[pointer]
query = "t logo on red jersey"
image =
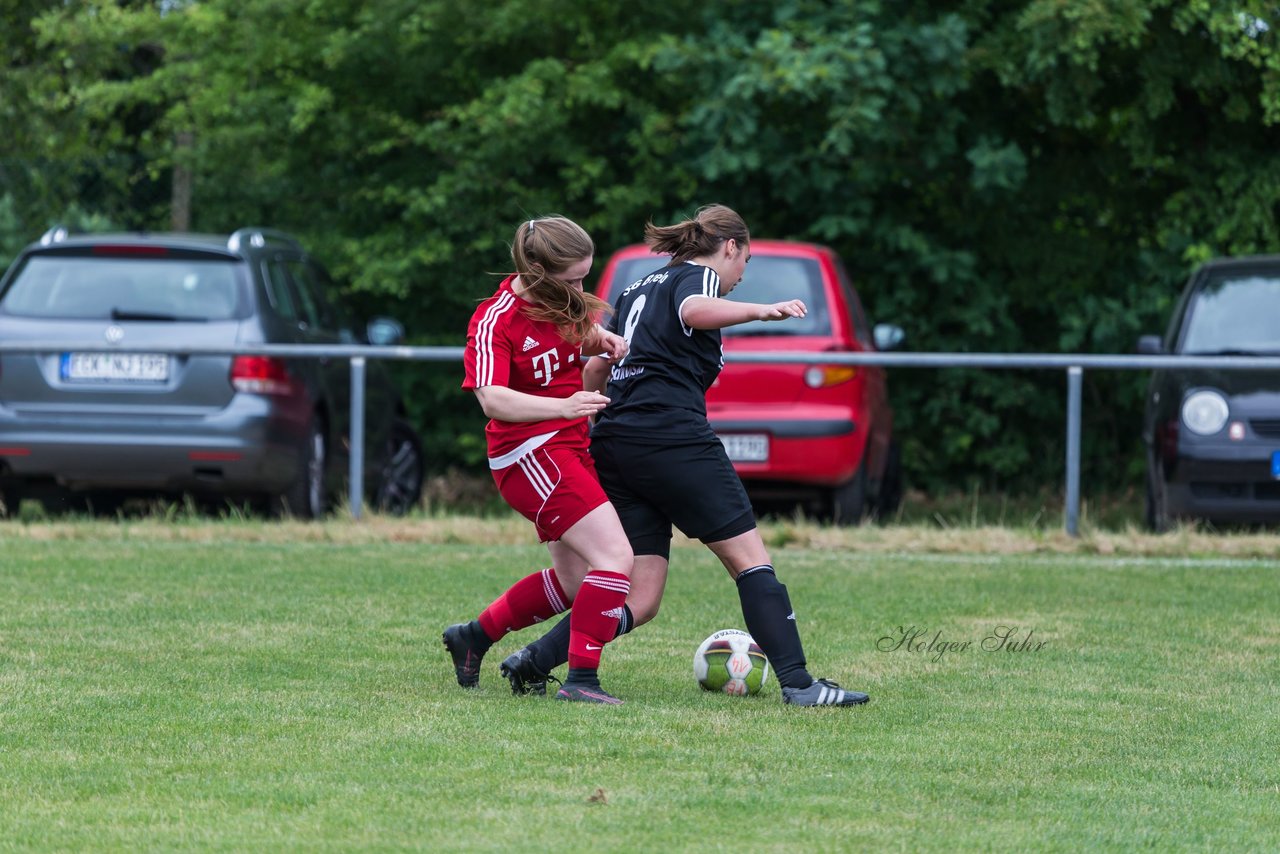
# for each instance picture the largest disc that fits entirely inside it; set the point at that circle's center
(545, 365)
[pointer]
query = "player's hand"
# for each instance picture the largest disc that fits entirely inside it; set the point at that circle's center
(783, 310)
(583, 404)
(613, 347)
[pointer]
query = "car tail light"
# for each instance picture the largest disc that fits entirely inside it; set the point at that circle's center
(261, 375)
(215, 456)
(126, 249)
(823, 376)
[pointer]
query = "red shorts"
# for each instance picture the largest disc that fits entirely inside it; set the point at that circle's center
(552, 487)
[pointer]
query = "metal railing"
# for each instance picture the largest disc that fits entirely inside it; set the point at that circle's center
(1074, 364)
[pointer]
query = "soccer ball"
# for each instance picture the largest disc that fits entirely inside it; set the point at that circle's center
(731, 662)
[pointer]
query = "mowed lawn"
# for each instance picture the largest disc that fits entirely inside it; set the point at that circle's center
(254, 695)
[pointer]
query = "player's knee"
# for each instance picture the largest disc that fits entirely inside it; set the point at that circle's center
(619, 559)
(643, 610)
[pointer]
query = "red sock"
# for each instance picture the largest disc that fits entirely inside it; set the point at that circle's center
(530, 600)
(593, 622)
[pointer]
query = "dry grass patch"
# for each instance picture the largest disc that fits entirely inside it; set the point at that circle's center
(508, 529)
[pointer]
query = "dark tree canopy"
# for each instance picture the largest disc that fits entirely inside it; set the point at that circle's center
(999, 176)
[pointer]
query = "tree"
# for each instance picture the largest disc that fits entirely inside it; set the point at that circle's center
(999, 175)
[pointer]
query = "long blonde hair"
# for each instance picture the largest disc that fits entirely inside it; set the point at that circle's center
(542, 250)
(701, 235)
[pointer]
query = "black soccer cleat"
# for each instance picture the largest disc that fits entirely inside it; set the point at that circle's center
(823, 692)
(524, 674)
(467, 652)
(579, 693)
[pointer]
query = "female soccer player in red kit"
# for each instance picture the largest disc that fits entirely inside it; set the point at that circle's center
(662, 464)
(525, 350)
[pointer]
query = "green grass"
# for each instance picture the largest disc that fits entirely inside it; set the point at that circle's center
(244, 694)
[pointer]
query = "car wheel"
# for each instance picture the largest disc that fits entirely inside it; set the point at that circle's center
(400, 482)
(11, 496)
(1157, 501)
(849, 500)
(889, 499)
(305, 497)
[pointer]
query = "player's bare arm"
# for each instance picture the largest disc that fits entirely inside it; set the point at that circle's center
(716, 313)
(507, 404)
(596, 375)
(602, 342)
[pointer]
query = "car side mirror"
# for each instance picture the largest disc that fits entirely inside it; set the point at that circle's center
(1150, 345)
(888, 336)
(384, 332)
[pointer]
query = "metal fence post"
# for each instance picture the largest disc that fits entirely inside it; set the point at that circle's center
(357, 435)
(1075, 378)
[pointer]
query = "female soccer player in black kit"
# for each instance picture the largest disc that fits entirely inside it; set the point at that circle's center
(659, 460)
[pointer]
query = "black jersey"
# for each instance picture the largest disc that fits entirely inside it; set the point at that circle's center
(660, 388)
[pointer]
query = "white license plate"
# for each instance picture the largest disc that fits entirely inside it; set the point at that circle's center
(746, 447)
(115, 367)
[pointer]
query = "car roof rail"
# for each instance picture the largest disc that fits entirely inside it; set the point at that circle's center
(260, 238)
(56, 234)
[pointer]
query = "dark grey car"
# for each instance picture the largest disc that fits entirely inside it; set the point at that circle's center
(121, 415)
(1213, 436)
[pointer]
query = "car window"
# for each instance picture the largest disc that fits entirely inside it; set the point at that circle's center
(857, 317)
(631, 270)
(96, 288)
(1234, 314)
(768, 279)
(278, 291)
(307, 290)
(861, 330)
(337, 318)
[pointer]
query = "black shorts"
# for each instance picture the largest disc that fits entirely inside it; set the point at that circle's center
(687, 482)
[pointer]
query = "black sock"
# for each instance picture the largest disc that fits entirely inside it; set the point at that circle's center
(552, 649)
(588, 676)
(477, 638)
(626, 622)
(766, 607)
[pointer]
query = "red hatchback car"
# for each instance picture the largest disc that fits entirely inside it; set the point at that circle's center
(818, 433)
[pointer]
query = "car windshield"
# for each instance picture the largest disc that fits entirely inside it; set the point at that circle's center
(769, 279)
(1234, 315)
(97, 288)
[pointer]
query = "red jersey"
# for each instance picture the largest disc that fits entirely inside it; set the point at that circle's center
(507, 347)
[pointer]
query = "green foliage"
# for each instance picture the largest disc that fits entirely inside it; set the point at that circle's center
(1027, 176)
(13, 235)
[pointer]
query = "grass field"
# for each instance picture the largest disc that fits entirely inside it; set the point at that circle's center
(236, 686)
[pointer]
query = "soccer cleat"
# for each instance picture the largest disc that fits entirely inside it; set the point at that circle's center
(586, 694)
(524, 674)
(823, 692)
(467, 654)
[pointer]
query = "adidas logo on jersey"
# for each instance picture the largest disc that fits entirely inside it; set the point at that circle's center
(529, 344)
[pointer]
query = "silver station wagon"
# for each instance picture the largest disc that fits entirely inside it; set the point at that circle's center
(116, 414)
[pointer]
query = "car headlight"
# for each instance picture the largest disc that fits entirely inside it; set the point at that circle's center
(1204, 412)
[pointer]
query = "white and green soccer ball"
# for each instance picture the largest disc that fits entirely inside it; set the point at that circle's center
(730, 661)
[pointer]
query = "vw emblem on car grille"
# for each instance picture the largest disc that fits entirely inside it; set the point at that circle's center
(114, 334)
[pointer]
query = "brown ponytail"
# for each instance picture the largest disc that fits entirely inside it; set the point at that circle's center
(699, 236)
(542, 250)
